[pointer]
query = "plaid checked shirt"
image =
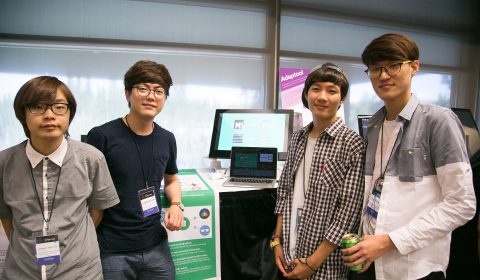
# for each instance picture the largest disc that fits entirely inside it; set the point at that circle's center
(334, 198)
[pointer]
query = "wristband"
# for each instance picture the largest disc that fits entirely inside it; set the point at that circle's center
(305, 262)
(274, 242)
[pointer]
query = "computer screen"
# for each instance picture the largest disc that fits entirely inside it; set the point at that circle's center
(466, 117)
(267, 128)
(470, 129)
(363, 124)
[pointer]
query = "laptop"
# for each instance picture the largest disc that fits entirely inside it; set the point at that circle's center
(252, 167)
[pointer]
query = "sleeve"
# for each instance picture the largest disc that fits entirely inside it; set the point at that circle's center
(103, 194)
(349, 207)
(171, 167)
(5, 210)
(96, 139)
(286, 178)
(454, 174)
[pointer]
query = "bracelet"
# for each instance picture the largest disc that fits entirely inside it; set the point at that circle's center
(306, 263)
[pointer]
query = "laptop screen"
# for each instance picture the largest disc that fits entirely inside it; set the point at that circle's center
(253, 162)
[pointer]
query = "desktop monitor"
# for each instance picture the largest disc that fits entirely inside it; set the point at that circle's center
(470, 129)
(363, 125)
(267, 128)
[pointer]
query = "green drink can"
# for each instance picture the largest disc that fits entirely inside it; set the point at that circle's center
(349, 240)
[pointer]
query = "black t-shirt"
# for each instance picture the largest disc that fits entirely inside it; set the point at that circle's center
(123, 227)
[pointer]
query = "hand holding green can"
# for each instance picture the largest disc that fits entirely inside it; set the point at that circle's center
(349, 240)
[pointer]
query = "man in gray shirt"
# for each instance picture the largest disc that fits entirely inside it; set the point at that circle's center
(52, 190)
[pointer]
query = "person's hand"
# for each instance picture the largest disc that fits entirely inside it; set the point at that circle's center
(300, 269)
(174, 218)
(280, 259)
(367, 251)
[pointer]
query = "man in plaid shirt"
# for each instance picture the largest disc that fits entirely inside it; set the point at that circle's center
(321, 187)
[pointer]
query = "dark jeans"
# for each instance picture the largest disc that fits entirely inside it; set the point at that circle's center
(156, 263)
(370, 275)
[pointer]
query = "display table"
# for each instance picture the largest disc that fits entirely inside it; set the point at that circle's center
(245, 224)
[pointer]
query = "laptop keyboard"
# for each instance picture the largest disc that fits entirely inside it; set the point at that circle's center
(251, 180)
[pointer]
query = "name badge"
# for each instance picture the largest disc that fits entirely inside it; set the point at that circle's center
(47, 249)
(148, 202)
(373, 203)
(298, 219)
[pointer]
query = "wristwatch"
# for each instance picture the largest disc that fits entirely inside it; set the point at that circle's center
(179, 204)
(274, 242)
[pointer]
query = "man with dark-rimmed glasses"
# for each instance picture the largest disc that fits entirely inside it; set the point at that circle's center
(418, 180)
(140, 153)
(53, 190)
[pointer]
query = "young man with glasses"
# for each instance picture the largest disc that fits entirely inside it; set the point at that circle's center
(52, 190)
(418, 180)
(140, 154)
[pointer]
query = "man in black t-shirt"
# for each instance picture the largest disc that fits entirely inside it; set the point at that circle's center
(133, 242)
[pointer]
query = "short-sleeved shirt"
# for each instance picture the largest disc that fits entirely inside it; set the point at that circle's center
(84, 183)
(427, 190)
(124, 229)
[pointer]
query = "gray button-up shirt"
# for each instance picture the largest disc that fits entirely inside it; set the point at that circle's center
(84, 184)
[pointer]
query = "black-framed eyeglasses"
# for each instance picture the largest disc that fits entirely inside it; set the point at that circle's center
(57, 108)
(391, 69)
(145, 91)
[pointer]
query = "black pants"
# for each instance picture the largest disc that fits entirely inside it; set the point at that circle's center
(370, 275)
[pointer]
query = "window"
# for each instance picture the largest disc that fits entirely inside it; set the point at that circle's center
(202, 82)
(431, 87)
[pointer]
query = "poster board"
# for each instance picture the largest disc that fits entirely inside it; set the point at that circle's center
(194, 246)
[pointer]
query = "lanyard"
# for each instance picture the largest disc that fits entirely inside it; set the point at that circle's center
(47, 220)
(382, 172)
(138, 151)
(305, 180)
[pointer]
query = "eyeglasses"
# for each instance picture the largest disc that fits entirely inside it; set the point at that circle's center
(144, 91)
(57, 108)
(391, 69)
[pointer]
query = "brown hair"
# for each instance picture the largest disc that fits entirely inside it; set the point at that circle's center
(390, 47)
(327, 72)
(42, 89)
(147, 71)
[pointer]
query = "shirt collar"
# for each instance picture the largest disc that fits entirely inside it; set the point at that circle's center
(56, 157)
(409, 109)
(406, 113)
(332, 130)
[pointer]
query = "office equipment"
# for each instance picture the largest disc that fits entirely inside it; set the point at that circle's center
(466, 117)
(362, 121)
(252, 167)
(250, 128)
(470, 129)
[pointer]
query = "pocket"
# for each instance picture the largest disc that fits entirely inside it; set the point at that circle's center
(332, 174)
(410, 167)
